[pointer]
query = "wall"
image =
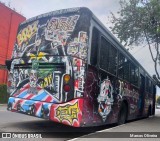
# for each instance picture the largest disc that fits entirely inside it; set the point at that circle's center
(8, 30)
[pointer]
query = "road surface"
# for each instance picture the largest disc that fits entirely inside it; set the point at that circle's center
(15, 122)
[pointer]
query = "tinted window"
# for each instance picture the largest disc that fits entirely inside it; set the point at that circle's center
(126, 69)
(136, 76)
(134, 73)
(150, 86)
(147, 84)
(112, 66)
(94, 46)
(123, 67)
(108, 57)
(104, 54)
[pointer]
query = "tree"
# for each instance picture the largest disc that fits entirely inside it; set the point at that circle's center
(138, 22)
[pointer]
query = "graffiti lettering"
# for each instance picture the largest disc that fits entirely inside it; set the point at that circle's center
(131, 93)
(47, 81)
(63, 23)
(68, 112)
(27, 33)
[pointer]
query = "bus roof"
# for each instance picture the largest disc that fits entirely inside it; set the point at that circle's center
(56, 13)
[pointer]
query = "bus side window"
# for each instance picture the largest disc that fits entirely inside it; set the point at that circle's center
(104, 54)
(94, 47)
(137, 76)
(126, 69)
(150, 87)
(108, 56)
(113, 58)
(121, 66)
(134, 74)
(147, 84)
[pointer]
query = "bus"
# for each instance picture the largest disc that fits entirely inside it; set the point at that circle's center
(67, 67)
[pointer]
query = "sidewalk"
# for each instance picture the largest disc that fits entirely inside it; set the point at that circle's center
(141, 130)
(3, 104)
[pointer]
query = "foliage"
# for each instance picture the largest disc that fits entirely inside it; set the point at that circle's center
(3, 93)
(158, 100)
(138, 22)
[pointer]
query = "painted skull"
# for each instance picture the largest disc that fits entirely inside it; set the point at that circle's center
(33, 78)
(105, 99)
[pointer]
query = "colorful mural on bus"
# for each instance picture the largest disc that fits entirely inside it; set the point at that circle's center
(50, 76)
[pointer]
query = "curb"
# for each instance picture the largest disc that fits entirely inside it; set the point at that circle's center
(3, 104)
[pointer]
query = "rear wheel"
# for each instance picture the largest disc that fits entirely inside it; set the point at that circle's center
(18, 107)
(149, 112)
(122, 114)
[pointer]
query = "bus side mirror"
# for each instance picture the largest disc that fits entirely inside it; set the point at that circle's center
(8, 64)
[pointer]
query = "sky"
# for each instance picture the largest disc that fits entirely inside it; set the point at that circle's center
(30, 8)
(101, 8)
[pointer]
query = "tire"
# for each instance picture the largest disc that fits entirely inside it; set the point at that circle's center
(9, 107)
(122, 114)
(33, 110)
(149, 112)
(18, 107)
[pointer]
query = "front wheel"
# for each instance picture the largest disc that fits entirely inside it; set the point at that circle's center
(122, 114)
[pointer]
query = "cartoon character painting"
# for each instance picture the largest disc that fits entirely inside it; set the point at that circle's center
(105, 99)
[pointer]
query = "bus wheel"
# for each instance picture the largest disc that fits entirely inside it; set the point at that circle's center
(9, 107)
(122, 114)
(149, 111)
(18, 107)
(33, 110)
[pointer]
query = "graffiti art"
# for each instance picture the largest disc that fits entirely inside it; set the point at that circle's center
(68, 113)
(105, 99)
(52, 76)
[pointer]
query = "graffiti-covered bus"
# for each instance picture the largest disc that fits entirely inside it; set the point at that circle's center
(68, 68)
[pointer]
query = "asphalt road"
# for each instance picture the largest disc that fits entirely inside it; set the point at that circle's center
(15, 122)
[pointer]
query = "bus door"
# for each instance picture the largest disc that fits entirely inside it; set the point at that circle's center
(142, 95)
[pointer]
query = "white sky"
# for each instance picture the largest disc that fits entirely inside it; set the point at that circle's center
(101, 8)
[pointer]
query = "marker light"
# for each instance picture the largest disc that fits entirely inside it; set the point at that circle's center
(67, 88)
(67, 78)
